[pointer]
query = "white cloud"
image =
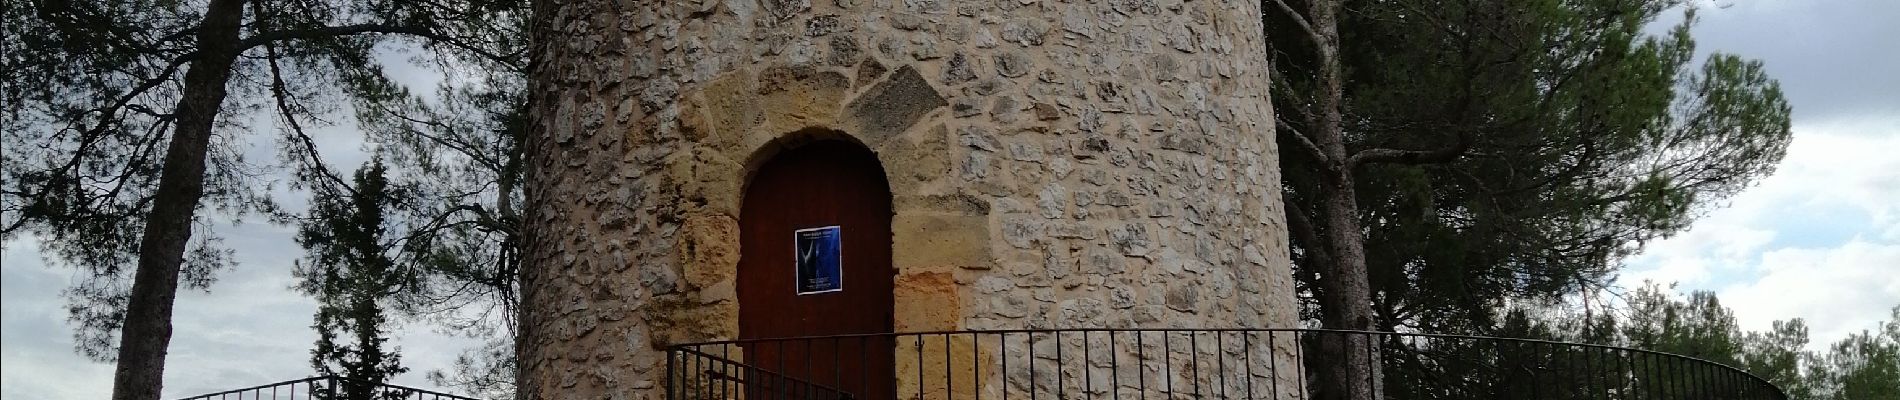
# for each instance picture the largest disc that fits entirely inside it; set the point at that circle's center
(1838, 290)
(1818, 240)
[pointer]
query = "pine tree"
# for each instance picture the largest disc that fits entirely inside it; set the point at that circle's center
(352, 276)
(122, 146)
(1444, 156)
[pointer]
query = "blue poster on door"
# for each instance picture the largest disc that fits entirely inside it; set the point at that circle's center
(820, 260)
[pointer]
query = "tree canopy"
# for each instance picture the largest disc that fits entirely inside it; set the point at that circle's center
(1863, 365)
(132, 117)
(1442, 157)
(352, 276)
(1542, 142)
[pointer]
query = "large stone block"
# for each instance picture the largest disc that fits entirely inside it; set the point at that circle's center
(709, 250)
(798, 97)
(927, 301)
(927, 241)
(891, 106)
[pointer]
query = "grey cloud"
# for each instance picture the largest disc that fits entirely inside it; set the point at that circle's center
(1835, 58)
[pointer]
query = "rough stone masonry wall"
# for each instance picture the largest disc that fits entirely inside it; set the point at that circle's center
(1055, 164)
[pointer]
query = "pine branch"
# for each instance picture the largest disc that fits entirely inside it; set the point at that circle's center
(1450, 152)
(1306, 143)
(1299, 21)
(361, 29)
(281, 95)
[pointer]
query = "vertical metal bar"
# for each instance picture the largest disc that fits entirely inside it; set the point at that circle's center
(1675, 378)
(706, 362)
(1646, 374)
(1590, 371)
(1061, 386)
(1371, 386)
(1695, 379)
(1299, 366)
(1032, 365)
(1723, 384)
(1141, 365)
(1002, 355)
(1088, 381)
(1273, 365)
(919, 345)
(1114, 368)
(1570, 368)
(949, 387)
(1503, 366)
(1194, 347)
(1626, 382)
(1246, 356)
(1220, 361)
(1695, 376)
(732, 371)
(976, 365)
(1167, 361)
(1713, 378)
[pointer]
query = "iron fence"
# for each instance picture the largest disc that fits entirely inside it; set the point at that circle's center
(1190, 364)
(328, 388)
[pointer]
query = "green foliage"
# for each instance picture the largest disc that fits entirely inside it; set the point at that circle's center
(350, 273)
(1580, 138)
(92, 94)
(1864, 365)
(84, 114)
(90, 101)
(455, 153)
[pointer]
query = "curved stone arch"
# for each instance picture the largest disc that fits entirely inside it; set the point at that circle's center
(766, 151)
(739, 121)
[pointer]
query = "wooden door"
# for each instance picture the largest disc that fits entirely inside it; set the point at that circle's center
(828, 183)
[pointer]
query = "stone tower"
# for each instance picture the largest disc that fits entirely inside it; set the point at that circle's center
(1050, 164)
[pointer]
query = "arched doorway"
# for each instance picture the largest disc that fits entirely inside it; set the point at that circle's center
(815, 260)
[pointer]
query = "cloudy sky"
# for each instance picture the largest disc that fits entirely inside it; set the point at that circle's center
(1819, 240)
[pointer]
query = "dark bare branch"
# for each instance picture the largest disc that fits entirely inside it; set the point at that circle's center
(1450, 152)
(365, 29)
(1299, 21)
(312, 159)
(1306, 143)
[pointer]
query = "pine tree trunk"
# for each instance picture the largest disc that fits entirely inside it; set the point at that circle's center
(1349, 363)
(148, 329)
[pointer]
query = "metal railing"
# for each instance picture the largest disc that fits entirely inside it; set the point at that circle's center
(328, 388)
(1188, 364)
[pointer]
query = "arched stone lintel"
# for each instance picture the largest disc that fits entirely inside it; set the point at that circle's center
(742, 119)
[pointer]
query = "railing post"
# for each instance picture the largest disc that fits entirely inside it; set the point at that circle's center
(672, 377)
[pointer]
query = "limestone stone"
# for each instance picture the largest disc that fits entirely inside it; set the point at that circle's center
(940, 240)
(709, 249)
(958, 204)
(926, 301)
(891, 106)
